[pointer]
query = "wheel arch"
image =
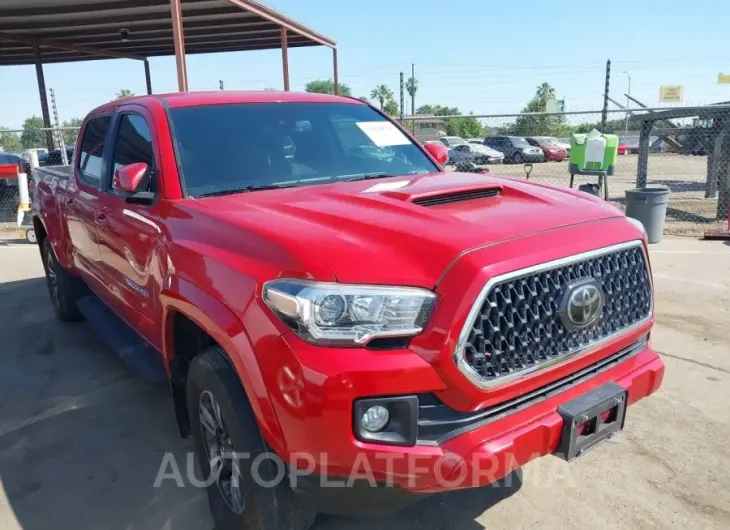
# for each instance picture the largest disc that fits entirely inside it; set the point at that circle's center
(191, 310)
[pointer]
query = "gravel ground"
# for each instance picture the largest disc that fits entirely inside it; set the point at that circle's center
(82, 438)
(688, 214)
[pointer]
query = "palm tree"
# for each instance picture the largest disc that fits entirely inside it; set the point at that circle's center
(124, 93)
(412, 88)
(544, 92)
(382, 93)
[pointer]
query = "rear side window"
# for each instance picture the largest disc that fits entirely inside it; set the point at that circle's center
(134, 144)
(92, 150)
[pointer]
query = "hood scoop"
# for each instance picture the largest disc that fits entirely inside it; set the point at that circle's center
(430, 201)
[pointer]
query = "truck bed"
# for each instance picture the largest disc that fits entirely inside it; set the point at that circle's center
(62, 172)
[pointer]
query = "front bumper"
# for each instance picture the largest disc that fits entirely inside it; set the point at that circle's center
(540, 157)
(317, 387)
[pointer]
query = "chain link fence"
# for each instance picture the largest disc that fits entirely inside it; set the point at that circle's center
(686, 149)
(47, 145)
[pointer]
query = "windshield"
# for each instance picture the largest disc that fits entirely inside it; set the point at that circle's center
(242, 147)
(547, 142)
(518, 141)
(454, 140)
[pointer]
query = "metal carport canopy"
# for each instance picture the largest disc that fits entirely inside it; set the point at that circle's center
(54, 31)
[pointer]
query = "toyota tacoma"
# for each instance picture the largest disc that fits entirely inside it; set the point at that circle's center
(330, 307)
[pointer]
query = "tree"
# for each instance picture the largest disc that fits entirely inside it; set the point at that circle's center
(31, 136)
(467, 127)
(412, 88)
(124, 93)
(327, 86)
(539, 125)
(382, 94)
(69, 136)
(391, 108)
(10, 141)
(437, 110)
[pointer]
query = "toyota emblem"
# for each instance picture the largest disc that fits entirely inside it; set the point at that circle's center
(582, 304)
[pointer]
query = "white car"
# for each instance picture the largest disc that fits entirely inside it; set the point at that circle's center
(476, 153)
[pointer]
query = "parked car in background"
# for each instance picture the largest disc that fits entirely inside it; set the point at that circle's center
(451, 141)
(515, 149)
(39, 150)
(54, 158)
(478, 154)
(549, 146)
(10, 159)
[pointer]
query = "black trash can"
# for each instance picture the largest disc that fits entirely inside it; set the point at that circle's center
(649, 205)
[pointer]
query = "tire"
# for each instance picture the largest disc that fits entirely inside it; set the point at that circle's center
(60, 286)
(517, 158)
(212, 381)
(30, 236)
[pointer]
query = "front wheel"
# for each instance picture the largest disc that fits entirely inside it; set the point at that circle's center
(60, 286)
(517, 158)
(248, 487)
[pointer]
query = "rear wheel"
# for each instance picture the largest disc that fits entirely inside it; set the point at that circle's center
(244, 493)
(60, 286)
(517, 158)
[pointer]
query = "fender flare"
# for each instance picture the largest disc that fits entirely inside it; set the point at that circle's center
(228, 332)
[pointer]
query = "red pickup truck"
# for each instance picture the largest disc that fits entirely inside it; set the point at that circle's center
(344, 325)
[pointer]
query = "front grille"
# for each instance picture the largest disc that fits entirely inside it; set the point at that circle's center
(516, 325)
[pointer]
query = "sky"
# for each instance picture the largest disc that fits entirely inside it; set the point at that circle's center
(480, 56)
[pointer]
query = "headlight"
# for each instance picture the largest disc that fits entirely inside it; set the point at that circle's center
(333, 313)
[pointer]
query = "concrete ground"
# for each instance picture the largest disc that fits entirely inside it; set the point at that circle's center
(82, 438)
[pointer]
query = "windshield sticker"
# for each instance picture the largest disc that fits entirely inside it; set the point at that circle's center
(388, 186)
(383, 133)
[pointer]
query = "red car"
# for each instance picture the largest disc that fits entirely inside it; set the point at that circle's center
(551, 149)
(625, 149)
(343, 328)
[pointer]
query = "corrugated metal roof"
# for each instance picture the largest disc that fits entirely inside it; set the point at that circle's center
(96, 26)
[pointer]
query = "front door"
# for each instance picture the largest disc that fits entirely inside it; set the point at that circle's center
(129, 234)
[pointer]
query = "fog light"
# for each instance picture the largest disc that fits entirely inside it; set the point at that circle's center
(375, 418)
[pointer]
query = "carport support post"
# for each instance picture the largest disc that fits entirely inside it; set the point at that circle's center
(334, 63)
(285, 58)
(147, 78)
(179, 40)
(643, 163)
(42, 93)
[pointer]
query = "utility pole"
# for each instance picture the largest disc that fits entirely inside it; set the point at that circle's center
(604, 114)
(402, 99)
(220, 84)
(628, 95)
(413, 96)
(59, 132)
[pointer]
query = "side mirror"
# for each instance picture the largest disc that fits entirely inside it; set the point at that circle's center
(439, 152)
(127, 178)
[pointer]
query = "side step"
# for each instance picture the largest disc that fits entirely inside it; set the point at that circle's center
(127, 344)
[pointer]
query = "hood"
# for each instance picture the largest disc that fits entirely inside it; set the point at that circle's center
(402, 230)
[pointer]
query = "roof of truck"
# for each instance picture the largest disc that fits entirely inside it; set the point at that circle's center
(226, 97)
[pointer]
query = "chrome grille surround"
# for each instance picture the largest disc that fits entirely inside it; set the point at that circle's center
(526, 362)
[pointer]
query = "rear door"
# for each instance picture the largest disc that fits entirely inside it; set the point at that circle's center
(82, 199)
(129, 234)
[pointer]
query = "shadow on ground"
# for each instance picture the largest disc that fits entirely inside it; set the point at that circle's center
(82, 438)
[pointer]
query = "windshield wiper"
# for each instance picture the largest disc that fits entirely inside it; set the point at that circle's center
(247, 189)
(368, 177)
